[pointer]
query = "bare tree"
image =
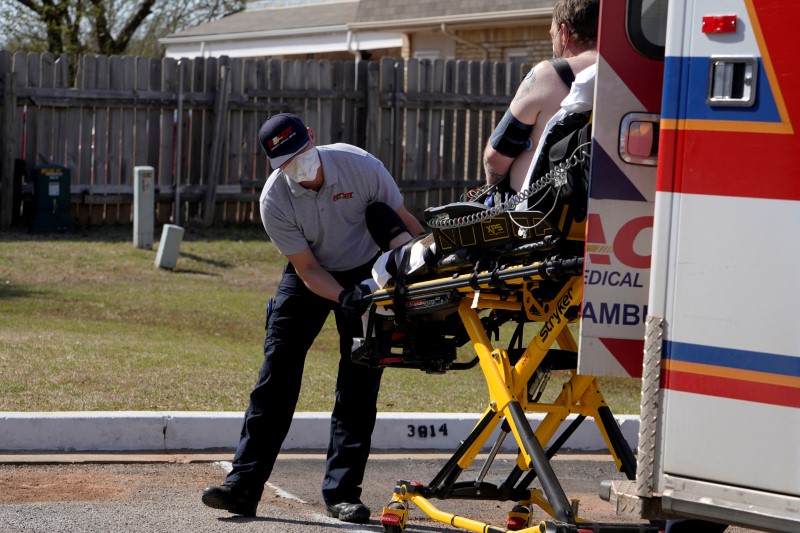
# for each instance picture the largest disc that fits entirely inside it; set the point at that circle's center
(106, 27)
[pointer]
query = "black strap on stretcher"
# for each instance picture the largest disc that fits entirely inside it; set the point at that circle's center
(400, 290)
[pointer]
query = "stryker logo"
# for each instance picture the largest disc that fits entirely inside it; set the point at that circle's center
(557, 316)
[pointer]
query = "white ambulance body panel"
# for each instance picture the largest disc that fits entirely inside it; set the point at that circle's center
(720, 431)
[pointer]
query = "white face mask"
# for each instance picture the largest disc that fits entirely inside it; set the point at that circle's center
(303, 167)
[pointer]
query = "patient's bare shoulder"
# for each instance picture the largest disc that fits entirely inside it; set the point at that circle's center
(540, 90)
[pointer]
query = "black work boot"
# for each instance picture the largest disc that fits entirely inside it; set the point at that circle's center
(231, 498)
(349, 512)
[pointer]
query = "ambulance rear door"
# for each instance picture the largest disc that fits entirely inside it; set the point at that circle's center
(622, 186)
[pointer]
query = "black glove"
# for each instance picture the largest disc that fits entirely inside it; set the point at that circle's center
(355, 301)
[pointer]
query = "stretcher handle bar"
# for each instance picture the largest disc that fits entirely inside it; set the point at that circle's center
(550, 269)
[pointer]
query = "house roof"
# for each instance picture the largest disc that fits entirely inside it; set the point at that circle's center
(363, 15)
(341, 25)
(385, 14)
(275, 20)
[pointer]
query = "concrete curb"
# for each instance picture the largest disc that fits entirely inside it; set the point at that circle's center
(161, 431)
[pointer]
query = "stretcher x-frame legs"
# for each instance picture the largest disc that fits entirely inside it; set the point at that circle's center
(508, 384)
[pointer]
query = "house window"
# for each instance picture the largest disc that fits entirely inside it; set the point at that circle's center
(427, 54)
(516, 55)
(514, 58)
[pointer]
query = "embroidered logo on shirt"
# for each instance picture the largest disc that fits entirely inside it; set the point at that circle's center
(342, 196)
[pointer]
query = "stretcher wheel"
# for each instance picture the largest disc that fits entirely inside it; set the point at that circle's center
(391, 523)
(394, 517)
(519, 518)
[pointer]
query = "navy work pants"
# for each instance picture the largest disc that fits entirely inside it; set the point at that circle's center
(292, 325)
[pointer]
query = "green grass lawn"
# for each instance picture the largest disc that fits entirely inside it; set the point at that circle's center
(87, 322)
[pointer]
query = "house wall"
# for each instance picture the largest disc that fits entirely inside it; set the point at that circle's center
(531, 41)
(535, 40)
(427, 44)
(343, 56)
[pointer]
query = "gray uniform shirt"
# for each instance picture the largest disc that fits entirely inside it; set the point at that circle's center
(331, 221)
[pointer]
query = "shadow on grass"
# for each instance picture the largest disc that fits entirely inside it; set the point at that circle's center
(228, 233)
(180, 270)
(9, 290)
(210, 262)
(119, 233)
(106, 234)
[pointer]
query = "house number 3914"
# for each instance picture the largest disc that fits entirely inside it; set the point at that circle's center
(429, 431)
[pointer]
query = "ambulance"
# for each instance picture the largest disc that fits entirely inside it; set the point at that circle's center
(693, 253)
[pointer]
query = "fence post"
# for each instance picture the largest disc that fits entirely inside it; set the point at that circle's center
(179, 143)
(373, 107)
(215, 159)
(9, 142)
(397, 87)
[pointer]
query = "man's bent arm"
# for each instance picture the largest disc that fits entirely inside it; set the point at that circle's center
(520, 117)
(317, 279)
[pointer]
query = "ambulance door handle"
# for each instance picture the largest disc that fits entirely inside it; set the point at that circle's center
(732, 81)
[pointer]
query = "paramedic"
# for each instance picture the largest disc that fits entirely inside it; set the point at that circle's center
(510, 148)
(312, 207)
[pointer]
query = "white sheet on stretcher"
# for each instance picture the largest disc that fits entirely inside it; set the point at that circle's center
(381, 277)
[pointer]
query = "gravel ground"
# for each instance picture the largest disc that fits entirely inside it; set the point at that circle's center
(165, 496)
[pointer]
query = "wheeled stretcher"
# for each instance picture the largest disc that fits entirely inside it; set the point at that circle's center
(510, 268)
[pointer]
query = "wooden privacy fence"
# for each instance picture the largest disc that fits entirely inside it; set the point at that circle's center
(196, 122)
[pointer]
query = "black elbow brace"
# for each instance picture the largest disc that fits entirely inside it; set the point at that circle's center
(383, 224)
(511, 136)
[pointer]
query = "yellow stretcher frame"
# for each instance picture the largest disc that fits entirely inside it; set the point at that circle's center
(515, 289)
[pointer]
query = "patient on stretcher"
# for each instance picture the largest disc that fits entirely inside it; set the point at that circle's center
(470, 237)
(424, 331)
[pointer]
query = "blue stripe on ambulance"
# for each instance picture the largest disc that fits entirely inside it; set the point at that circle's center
(731, 358)
(693, 72)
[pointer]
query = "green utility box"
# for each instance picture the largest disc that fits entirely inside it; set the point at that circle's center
(51, 197)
